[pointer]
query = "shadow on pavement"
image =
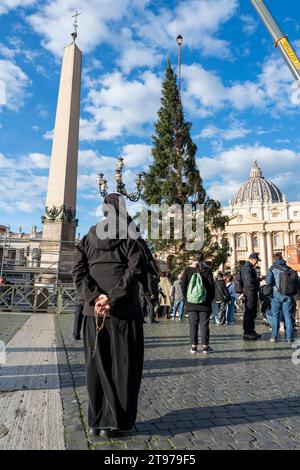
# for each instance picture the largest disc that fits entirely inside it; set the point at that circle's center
(192, 419)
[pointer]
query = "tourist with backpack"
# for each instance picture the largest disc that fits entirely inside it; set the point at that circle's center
(221, 298)
(248, 283)
(199, 291)
(284, 281)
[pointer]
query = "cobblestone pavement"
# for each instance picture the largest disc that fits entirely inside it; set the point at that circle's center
(242, 396)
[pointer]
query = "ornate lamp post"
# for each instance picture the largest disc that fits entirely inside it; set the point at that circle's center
(134, 196)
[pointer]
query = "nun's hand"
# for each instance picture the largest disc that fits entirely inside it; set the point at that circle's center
(102, 311)
(102, 300)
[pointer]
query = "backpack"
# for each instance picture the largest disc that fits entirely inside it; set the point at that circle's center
(238, 283)
(289, 281)
(196, 293)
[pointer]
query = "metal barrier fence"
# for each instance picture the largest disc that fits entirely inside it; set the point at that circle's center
(37, 299)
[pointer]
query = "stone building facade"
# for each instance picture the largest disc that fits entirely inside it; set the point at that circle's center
(19, 252)
(261, 220)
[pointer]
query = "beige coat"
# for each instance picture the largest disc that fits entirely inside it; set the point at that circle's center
(165, 286)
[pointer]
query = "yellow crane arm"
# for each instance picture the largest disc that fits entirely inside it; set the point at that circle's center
(280, 40)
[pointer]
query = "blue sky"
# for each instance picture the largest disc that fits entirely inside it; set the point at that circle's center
(237, 92)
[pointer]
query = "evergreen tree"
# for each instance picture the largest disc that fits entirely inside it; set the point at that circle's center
(173, 177)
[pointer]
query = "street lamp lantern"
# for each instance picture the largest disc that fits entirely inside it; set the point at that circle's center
(118, 176)
(102, 183)
(139, 182)
(100, 178)
(104, 186)
(121, 164)
(179, 40)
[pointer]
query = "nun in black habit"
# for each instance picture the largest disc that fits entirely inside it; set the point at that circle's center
(109, 264)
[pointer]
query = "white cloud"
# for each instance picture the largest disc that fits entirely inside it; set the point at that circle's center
(206, 93)
(91, 159)
(136, 55)
(87, 181)
(2, 93)
(228, 170)
(22, 189)
(137, 155)
(6, 52)
(53, 22)
(200, 23)
(49, 135)
(38, 161)
(250, 24)
(235, 131)
(17, 47)
(16, 82)
(7, 5)
(278, 85)
(6, 162)
(245, 95)
(223, 192)
(100, 23)
(273, 90)
(121, 106)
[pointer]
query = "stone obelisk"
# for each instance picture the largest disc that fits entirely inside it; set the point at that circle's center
(59, 221)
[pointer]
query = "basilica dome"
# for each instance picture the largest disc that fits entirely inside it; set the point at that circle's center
(258, 189)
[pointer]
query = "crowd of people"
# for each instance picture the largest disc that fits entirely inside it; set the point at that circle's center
(280, 309)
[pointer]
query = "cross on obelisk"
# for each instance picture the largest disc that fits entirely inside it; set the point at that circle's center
(74, 34)
(59, 221)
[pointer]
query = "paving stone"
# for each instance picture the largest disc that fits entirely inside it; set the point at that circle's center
(110, 448)
(180, 441)
(242, 446)
(77, 445)
(220, 447)
(202, 443)
(160, 444)
(136, 446)
(266, 445)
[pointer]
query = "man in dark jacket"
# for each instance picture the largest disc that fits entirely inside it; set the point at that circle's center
(221, 297)
(199, 313)
(251, 286)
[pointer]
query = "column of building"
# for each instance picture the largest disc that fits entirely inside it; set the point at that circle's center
(220, 241)
(286, 239)
(263, 253)
(233, 251)
(270, 248)
(249, 243)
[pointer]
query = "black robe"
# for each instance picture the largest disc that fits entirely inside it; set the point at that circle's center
(112, 267)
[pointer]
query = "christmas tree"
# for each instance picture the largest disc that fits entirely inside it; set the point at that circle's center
(173, 178)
